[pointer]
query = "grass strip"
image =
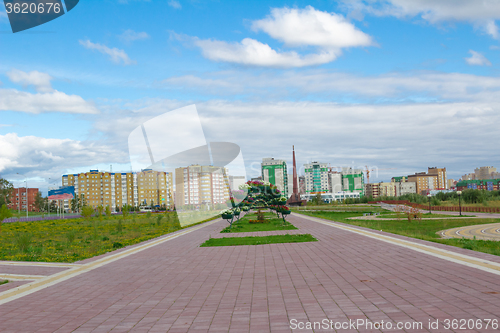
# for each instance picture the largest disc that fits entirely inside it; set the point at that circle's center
(426, 229)
(272, 223)
(259, 240)
(3, 282)
(71, 240)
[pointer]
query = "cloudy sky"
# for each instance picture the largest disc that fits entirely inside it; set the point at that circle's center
(396, 84)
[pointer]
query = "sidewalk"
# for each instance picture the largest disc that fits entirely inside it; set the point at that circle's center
(177, 286)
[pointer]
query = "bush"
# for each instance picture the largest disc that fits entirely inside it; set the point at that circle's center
(22, 240)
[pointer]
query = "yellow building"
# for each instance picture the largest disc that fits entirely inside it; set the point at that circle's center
(155, 188)
(387, 189)
(441, 178)
(118, 189)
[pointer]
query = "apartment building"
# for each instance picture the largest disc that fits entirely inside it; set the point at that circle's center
(118, 189)
(388, 189)
(22, 198)
(276, 173)
(476, 184)
(396, 187)
(153, 188)
(486, 172)
(434, 179)
(316, 178)
(334, 181)
(353, 180)
(372, 190)
(201, 185)
(441, 178)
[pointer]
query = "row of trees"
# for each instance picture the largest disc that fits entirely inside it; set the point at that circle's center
(469, 196)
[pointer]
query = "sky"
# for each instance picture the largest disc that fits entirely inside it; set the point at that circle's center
(394, 85)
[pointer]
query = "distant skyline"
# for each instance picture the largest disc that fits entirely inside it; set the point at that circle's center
(388, 84)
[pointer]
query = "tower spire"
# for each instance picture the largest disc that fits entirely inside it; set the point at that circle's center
(295, 200)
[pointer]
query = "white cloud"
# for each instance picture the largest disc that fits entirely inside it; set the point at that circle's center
(311, 27)
(42, 157)
(41, 81)
(252, 52)
(130, 35)
(480, 13)
(56, 101)
(175, 4)
(328, 33)
(392, 87)
(408, 137)
(116, 55)
(492, 29)
(477, 59)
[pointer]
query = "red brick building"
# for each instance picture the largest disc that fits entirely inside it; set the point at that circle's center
(20, 198)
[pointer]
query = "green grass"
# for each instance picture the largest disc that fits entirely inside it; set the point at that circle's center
(424, 215)
(72, 240)
(273, 223)
(426, 229)
(275, 239)
(3, 282)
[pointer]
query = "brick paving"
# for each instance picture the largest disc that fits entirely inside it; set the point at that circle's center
(177, 286)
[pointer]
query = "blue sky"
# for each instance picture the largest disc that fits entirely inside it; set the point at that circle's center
(388, 84)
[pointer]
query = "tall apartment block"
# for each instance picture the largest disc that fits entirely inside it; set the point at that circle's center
(316, 178)
(115, 190)
(201, 185)
(154, 188)
(276, 173)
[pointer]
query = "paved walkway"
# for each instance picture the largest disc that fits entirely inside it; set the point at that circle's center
(481, 231)
(173, 285)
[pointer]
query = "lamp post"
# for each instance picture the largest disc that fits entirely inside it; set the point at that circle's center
(460, 201)
(27, 198)
(429, 196)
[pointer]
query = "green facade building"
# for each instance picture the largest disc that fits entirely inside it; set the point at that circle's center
(276, 173)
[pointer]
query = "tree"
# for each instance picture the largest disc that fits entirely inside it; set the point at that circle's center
(75, 204)
(5, 213)
(108, 211)
(125, 210)
(100, 211)
(39, 202)
(5, 191)
(87, 212)
(53, 206)
(318, 200)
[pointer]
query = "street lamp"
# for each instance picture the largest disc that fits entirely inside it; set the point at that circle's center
(460, 201)
(27, 197)
(429, 196)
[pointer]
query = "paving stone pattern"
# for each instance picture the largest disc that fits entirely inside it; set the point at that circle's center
(179, 287)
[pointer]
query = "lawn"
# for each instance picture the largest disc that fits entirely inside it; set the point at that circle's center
(272, 223)
(76, 239)
(275, 239)
(390, 215)
(426, 229)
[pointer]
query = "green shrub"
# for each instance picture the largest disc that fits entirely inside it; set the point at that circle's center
(22, 240)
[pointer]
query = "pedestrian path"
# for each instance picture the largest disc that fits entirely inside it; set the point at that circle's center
(351, 275)
(481, 231)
